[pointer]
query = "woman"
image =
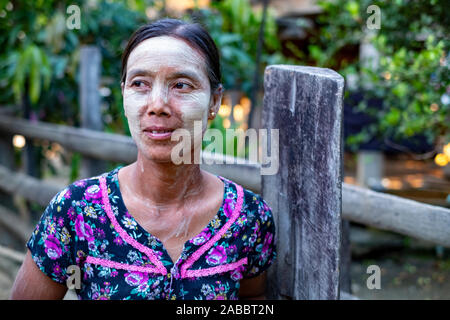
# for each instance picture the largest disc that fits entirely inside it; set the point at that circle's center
(154, 229)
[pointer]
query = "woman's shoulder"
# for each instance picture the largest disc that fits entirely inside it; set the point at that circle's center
(255, 199)
(258, 226)
(252, 202)
(255, 205)
(81, 189)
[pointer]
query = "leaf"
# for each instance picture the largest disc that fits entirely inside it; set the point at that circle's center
(20, 72)
(35, 75)
(46, 69)
(400, 89)
(393, 117)
(228, 38)
(353, 8)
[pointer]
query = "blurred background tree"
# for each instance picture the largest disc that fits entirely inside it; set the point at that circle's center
(235, 27)
(38, 48)
(40, 57)
(410, 74)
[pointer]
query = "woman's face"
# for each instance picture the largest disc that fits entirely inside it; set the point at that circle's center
(166, 88)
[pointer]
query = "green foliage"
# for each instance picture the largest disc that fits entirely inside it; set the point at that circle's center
(413, 68)
(234, 26)
(31, 63)
(411, 84)
(40, 57)
(229, 142)
(41, 54)
(40, 50)
(75, 163)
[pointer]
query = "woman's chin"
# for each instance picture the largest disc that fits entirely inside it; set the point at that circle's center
(163, 152)
(159, 154)
(155, 151)
(160, 157)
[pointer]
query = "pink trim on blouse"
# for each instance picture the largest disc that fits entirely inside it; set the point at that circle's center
(159, 267)
(118, 265)
(219, 269)
(200, 251)
(125, 236)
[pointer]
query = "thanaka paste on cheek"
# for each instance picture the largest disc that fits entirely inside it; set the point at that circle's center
(132, 103)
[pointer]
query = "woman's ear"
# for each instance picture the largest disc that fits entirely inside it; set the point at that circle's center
(216, 101)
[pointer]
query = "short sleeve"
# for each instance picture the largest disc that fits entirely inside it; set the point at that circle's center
(263, 252)
(50, 243)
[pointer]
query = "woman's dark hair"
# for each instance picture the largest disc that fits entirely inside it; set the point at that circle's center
(192, 33)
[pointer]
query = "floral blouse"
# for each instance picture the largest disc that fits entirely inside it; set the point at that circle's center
(88, 225)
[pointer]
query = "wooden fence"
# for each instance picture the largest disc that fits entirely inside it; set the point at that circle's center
(305, 104)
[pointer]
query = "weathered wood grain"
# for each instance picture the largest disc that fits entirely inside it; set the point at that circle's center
(7, 160)
(386, 212)
(345, 279)
(90, 106)
(305, 104)
(100, 145)
(392, 213)
(379, 210)
(26, 186)
(11, 254)
(376, 211)
(119, 148)
(20, 229)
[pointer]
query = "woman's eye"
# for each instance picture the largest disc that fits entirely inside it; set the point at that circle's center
(182, 85)
(137, 83)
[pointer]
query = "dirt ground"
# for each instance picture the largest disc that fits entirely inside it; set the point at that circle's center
(410, 269)
(409, 277)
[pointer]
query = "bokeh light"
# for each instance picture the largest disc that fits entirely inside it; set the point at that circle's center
(226, 123)
(224, 110)
(447, 151)
(441, 159)
(19, 141)
(238, 113)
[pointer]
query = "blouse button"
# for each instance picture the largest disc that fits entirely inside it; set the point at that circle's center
(174, 271)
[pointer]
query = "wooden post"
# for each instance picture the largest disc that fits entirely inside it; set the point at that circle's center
(345, 279)
(31, 153)
(6, 143)
(6, 160)
(6, 150)
(91, 115)
(446, 170)
(305, 104)
(370, 169)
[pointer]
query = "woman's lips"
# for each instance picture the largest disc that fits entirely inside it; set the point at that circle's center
(159, 134)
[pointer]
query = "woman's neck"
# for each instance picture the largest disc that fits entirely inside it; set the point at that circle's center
(164, 183)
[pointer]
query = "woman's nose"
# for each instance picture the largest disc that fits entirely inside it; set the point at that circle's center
(158, 101)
